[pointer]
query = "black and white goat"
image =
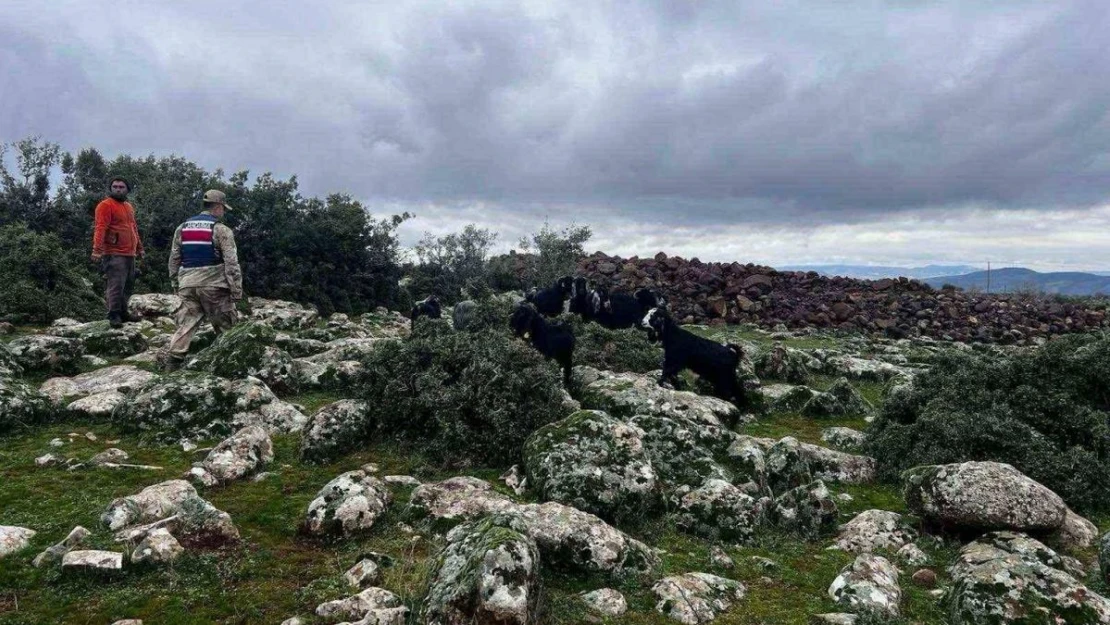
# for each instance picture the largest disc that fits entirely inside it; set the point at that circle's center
(713, 362)
(428, 307)
(550, 301)
(580, 294)
(553, 340)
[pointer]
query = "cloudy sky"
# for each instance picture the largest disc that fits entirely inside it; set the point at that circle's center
(787, 132)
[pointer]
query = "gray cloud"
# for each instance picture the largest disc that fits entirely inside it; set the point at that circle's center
(699, 114)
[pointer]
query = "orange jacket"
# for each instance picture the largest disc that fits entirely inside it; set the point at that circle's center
(115, 231)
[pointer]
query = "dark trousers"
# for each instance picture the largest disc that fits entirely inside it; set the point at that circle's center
(119, 272)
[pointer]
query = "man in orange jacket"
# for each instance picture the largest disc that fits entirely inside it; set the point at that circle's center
(116, 243)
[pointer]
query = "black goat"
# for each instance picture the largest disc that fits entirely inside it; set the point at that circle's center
(615, 310)
(649, 299)
(580, 299)
(713, 362)
(553, 340)
(550, 301)
(428, 307)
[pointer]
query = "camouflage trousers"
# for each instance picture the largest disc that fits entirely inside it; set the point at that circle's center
(197, 304)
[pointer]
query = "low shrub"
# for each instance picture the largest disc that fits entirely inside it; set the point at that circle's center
(626, 350)
(465, 397)
(42, 280)
(1044, 412)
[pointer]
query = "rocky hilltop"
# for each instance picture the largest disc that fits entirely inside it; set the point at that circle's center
(720, 293)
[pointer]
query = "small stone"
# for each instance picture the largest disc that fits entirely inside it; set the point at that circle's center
(696, 598)
(870, 584)
(719, 558)
(363, 573)
(401, 480)
(359, 606)
(159, 546)
(370, 467)
(56, 442)
(606, 602)
(296, 620)
(265, 475)
(49, 460)
(926, 578)
(765, 564)
(93, 560)
(188, 446)
(833, 618)
(90, 436)
(110, 455)
(55, 553)
(129, 621)
(845, 497)
(13, 539)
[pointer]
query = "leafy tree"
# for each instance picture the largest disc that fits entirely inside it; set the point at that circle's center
(453, 267)
(549, 253)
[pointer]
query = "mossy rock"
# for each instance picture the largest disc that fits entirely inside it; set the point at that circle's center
(248, 349)
(842, 399)
(593, 462)
(21, 405)
(487, 574)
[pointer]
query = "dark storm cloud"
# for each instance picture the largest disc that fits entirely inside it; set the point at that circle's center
(670, 112)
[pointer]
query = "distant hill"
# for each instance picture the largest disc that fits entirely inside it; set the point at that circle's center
(1020, 279)
(867, 272)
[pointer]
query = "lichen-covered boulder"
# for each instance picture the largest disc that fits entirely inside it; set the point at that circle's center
(683, 452)
(720, 511)
(696, 598)
(982, 496)
(158, 547)
(748, 456)
(187, 405)
(248, 350)
(573, 540)
(240, 455)
(21, 405)
(100, 339)
(9, 368)
(92, 560)
(153, 305)
(841, 399)
(298, 346)
(487, 574)
(865, 369)
(55, 552)
(1007, 577)
(823, 463)
(100, 405)
(386, 324)
(456, 498)
(593, 462)
(281, 315)
(335, 429)
(605, 602)
(790, 399)
(150, 504)
(1076, 532)
(874, 529)
(844, 439)
(13, 539)
(786, 466)
(1104, 557)
(624, 395)
(783, 363)
(373, 606)
(349, 503)
(868, 585)
(43, 352)
(121, 378)
(808, 510)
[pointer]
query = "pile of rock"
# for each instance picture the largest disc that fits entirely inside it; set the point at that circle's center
(734, 293)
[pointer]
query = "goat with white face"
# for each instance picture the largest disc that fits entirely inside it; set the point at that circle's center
(713, 362)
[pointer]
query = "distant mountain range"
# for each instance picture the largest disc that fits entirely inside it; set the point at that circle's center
(866, 272)
(1019, 279)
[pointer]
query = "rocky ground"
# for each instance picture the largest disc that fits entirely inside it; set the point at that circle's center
(224, 494)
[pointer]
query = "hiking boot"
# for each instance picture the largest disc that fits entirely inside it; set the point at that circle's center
(115, 321)
(129, 318)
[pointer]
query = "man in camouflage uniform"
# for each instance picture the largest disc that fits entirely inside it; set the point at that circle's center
(204, 265)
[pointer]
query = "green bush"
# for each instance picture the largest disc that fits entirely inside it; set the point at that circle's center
(42, 281)
(1044, 412)
(465, 397)
(614, 350)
